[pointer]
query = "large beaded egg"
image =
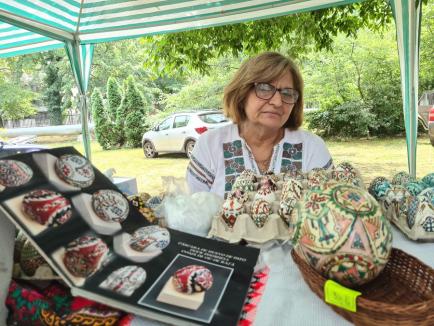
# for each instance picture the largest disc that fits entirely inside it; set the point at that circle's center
(429, 179)
(342, 233)
(192, 278)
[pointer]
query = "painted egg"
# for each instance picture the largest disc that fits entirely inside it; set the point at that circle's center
(125, 280)
(248, 175)
(395, 203)
(286, 208)
(239, 195)
(294, 175)
(20, 240)
(415, 188)
(192, 278)
(150, 238)
(427, 195)
(271, 178)
(232, 208)
(401, 178)
(266, 193)
(84, 256)
(243, 184)
(419, 222)
(14, 173)
(110, 205)
(260, 211)
(378, 187)
(345, 172)
(30, 259)
(342, 233)
(75, 170)
(429, 179)
(292, 188)
(317, 177)
(47, 207)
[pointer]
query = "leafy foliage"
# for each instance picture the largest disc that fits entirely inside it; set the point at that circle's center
(114, 97)
(15, 102)
(100, 119)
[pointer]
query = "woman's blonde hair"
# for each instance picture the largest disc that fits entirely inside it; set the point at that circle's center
(266, 67)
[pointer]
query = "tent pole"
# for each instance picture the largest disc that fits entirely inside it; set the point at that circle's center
(85, 126)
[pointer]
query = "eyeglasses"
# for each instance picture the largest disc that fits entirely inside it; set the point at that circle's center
(266, 91)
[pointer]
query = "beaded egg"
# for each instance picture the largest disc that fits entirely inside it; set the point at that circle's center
(239, 195)
(75, 170)
(395, 202)
(125, 280)
(419, 221)
(110, 205)
(317, 177)
(345, 172)
(429, 179)
(415, 187)
(401, 178)
(192, 278)
(378, 187)
(14, 173)
(30, 259)
(260, 211)
(342, 233)
(231, 209)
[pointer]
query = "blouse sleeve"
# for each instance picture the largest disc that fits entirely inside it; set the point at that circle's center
(200, 175)
(318, 155)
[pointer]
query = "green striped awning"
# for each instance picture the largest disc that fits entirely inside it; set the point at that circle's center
(40, 24)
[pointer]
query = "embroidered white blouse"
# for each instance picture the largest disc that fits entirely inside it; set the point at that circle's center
(220, 155)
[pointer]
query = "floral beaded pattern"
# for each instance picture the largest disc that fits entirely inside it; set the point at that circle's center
(291, 157)
(234, 162)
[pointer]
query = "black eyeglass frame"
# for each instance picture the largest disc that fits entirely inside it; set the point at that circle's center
(274, 92)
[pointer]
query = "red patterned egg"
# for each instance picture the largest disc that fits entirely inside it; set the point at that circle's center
(260, 211)
(47, 207)
(30, 259)
(192, 278)
(85, 255)
(14, 173)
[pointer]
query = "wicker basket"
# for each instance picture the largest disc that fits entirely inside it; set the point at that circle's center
(403, 294)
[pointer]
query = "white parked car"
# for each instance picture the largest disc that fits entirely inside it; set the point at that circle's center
(179, 132)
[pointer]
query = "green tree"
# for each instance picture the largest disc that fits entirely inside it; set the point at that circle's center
(114, 97)
(102, 125)
(15, 102)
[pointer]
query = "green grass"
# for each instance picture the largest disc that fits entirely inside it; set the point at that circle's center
(372, 157)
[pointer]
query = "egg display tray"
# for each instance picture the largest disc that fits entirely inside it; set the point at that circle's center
(402, 295)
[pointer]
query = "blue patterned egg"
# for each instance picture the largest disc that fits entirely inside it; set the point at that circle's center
(401, 178)
(415, 188)
(418, 224)
(342, 233)
(378, 187)
(429, 179)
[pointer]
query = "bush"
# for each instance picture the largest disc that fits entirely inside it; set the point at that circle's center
(351, 119)
(102, 125)
(134, 128)
(114, 100)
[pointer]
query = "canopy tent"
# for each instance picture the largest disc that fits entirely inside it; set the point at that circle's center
(36, 25)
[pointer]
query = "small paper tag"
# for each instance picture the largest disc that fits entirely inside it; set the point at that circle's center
(340, 296)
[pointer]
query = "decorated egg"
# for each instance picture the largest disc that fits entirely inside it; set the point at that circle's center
(244, 184)
(150, 238)
(260, 211)
(292, 188)
(75, 170)
(419, 222)
(14, 173)
(47, 207)
(316, 177)
(266, 193)
(345, 172)
(395, 202)
(270, 178)
(415, 187)
(378, 187)
(429, 179)
(286, 207)
(192, 278)
(125, 280)
(294, 175)
(342, 233)
(84, 256)
(428, 195)
(20, 240)
(239, 195)
(232, 208)
(248, 175)
(401, 178)
(110, 205)
(30, 259)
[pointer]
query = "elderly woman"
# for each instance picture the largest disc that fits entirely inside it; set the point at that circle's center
(265, 102)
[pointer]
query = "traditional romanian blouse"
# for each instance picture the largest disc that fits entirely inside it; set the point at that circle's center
(220, 155)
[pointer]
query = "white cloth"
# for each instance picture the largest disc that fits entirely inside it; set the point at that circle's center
(220, 155)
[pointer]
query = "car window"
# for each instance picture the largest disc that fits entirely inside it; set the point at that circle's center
(166, 124)
(181, 121)
(213, 117)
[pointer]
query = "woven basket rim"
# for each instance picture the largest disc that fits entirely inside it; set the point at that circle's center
(365, 303)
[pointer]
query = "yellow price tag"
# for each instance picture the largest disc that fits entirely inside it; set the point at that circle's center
(340, 296)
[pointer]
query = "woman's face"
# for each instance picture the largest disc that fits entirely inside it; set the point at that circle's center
(272, 113)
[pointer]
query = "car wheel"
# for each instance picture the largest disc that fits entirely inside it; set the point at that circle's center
(149, 149)
(189, 146)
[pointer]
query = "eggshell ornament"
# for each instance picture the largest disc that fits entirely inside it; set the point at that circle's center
(266, 193)
(248, 175)
(415, 187)
(150, 238)
(75, 170)
(110, 205)
(395, 202)
(294, 175)
(317, 177)
(378, 187)
(401, 178)
(429, 179)
(428, 195)
(125, 280)
(231, 209)
(30, 259)
(345, 172)
(14, 173)
(84, 256)
(292, 188)
(244, 184)
(342, 233)
(192, 278)
(260, 211)
(239, 195)
(47, 207)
